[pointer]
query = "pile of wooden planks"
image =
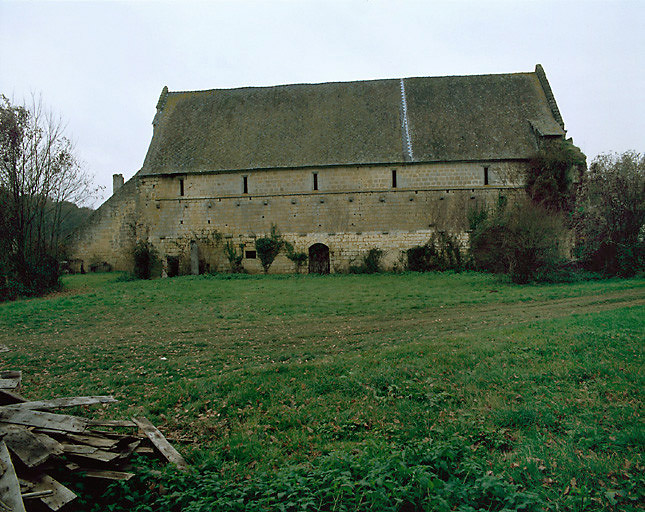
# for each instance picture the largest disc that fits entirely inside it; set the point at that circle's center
(36, 442)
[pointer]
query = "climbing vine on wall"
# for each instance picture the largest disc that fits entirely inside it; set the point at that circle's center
(298, 258)
(552, 173)
(269, 247)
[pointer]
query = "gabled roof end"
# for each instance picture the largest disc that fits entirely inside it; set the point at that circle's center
(160, 105)
(539, 71)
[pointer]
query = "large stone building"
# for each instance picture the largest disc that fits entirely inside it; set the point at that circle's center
(339, 168)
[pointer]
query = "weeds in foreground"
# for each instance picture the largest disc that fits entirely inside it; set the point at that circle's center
(429, 475)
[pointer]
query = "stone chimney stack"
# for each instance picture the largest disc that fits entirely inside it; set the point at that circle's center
(117, 182)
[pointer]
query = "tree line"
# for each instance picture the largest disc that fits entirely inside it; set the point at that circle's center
(41, 178)
(573, 219)
(598, 210)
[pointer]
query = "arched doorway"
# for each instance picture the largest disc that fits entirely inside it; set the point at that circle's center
(319, 259)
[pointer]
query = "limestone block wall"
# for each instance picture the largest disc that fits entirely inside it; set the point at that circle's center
(345, 249)
(334, 179)
(108, 233)
(353, 210)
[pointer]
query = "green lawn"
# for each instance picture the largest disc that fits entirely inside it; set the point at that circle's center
(266, 380)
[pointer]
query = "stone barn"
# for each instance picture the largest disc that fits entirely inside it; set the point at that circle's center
(338, 168)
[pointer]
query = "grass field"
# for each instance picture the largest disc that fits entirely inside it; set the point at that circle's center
(353, 392)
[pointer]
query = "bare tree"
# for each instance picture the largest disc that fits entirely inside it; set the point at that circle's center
(39, 171)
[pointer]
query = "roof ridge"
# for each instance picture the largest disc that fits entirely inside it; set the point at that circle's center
(391, 79)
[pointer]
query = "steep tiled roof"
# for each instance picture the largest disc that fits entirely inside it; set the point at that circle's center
(448, 119)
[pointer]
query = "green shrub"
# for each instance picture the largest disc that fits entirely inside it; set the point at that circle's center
(550, 175)
(269, 247)
(36, 277)
(442, 252)
(234, 258)
(522, 241)
(125, 277)
(299, 259)
(565, 272)
(371, 263)
(145, 259)
(476, 217)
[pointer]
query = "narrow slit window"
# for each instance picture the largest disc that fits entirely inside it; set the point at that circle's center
(485, 175)
(181, 186)
(393, 178)
(315, 181)
(245, 184)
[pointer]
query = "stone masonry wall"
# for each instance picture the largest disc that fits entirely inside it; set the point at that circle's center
(110, 231)
(354, 209)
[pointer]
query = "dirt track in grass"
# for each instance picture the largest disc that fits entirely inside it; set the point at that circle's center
(449, 319)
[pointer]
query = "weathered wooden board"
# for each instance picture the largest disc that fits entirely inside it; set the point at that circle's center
(10, 379)
(48, 420)
(79, 449)
(9, 486)
(89, 452)
(160, 442)
(37, 494)
(108, 475)
(31, 433)
(10, 397)
(26, 446)
(60, 496)
(58, 403)
(112, 423)
(93, 440)
(53, 446)
(129, 449)
(9, 383)
(25, 485)
(122, 438)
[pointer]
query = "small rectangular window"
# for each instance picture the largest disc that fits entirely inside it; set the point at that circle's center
(245, 184)
(250, 255)
(485, 175)
(315, 181)
(393, 178)
(181, 186)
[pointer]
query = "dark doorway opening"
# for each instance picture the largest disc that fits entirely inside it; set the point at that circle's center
(173, 265)
(319, 259)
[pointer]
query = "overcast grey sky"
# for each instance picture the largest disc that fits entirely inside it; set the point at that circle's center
(102, 65)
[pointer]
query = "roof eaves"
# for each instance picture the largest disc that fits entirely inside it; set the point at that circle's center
(178, 172)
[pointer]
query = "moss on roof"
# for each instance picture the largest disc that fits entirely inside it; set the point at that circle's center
(344, 123)
(476, 117)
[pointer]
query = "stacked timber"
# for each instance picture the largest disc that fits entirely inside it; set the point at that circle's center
(36, 442)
